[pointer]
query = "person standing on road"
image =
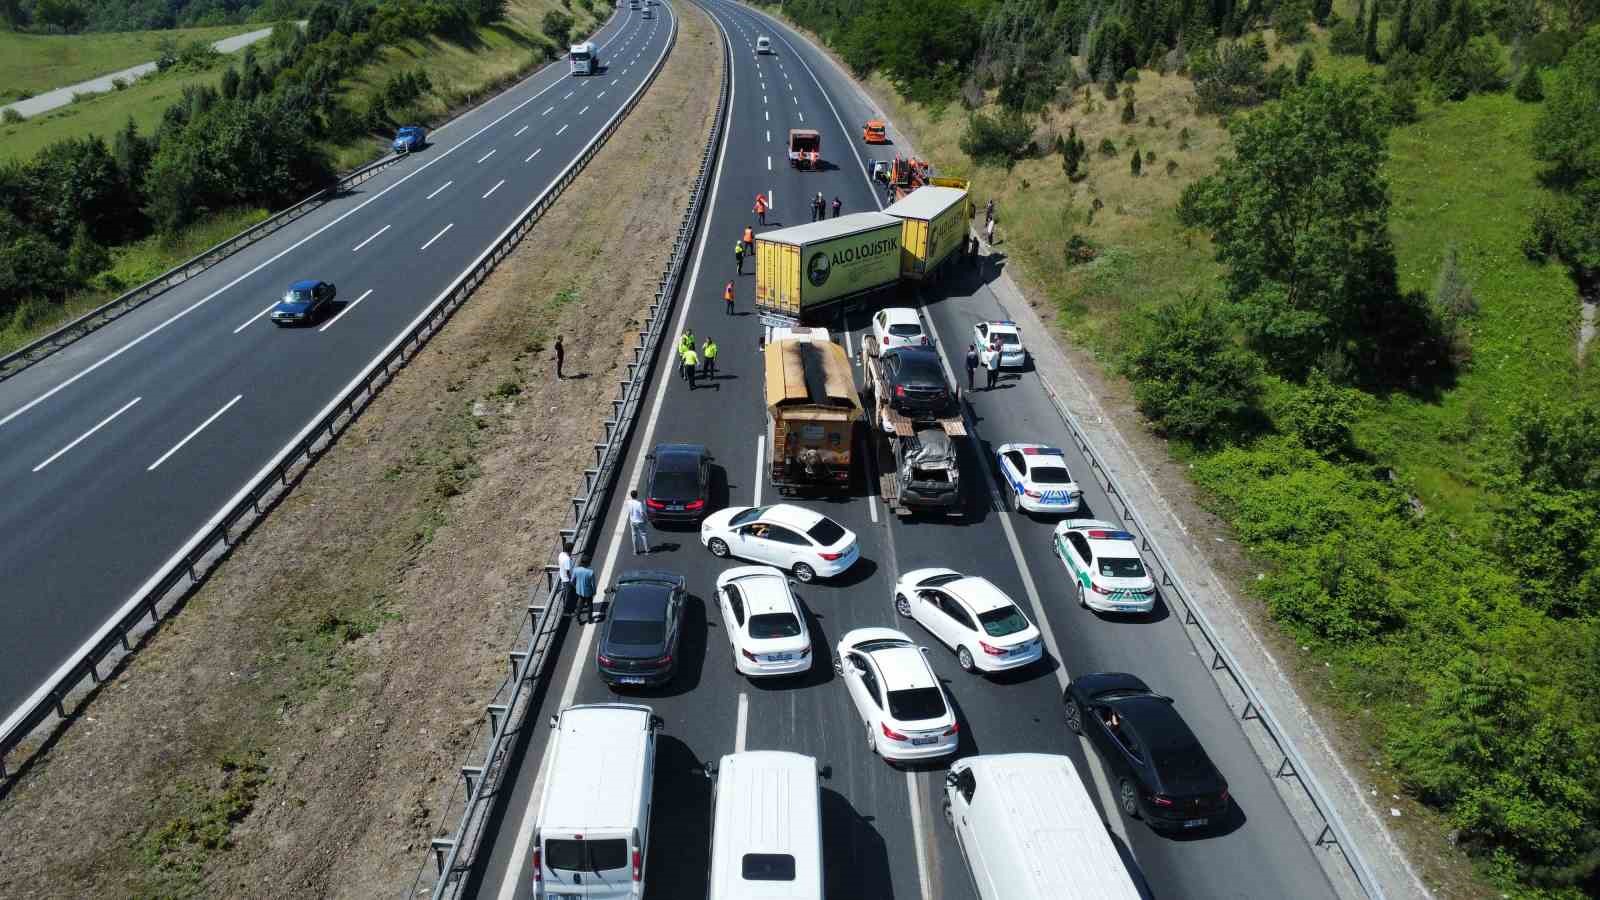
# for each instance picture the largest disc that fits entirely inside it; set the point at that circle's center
(988, 233)
(583, 587)
(564, 575)
(738, 255)
(691, 363)
(991, 367)
(750, 239)
(638, 525)
(988, 212)
(836, 206)
(727, 297)
(761, 209)
(709, 354)
(561, 356)
(972, 364)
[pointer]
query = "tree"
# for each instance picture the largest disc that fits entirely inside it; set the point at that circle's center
(1072, 150)
(1190, 378)
(64, 15)
(1402, 28)
(1567, 133)
(1529, 88)
(1304, 67)
(1129, 115)
(1135, 164)
(1289, 20)
(1318, 415)
(1299, 215)
(998, 140)
(1549, 524)
(1371, 44)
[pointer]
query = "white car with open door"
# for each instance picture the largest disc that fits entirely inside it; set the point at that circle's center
(972, 617)
(901, 704)
(793, 538)
(1104, 561)
(765, 625)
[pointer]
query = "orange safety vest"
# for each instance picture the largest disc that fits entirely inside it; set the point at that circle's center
(749, 235)
(727, 292)
(761, 202)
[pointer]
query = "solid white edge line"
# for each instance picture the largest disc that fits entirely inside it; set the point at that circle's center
(436, 237)
(519, 850)
(740, 726)
(439, 188)
(913, 795)
(247, 323)
(484, 157)
(199, 428)
(369, 240)
(85, 436)
(351, 305)
(493, 189)
(105, 629)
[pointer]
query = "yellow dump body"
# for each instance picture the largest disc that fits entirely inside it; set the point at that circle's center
(933, 224)
(812, 411)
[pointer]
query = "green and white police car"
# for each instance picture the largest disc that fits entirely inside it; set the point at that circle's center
(1104, 561)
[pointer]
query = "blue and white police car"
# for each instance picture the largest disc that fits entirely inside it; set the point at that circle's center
(1038, 478)
(1105, 566)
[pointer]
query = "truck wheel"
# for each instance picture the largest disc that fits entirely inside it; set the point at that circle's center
(718, 547)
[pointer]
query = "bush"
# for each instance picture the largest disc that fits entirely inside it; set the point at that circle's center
(1079, 250)
(1318, 414)
(1304, 67)
(557, 26)
(1400, 103)
(1190, 378)
(11, 116)
(1346, 39)
(1172, 167)
(1230, 75)
(1530, 89)
(998, 140)
(1107, 148)
(1131, 75)
(1290, 20)
(1135, 164)
(1128, 112)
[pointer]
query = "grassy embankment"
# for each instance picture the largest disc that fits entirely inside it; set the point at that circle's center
(34, 63)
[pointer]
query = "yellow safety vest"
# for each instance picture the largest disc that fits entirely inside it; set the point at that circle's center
(711, 350)
(689, 358)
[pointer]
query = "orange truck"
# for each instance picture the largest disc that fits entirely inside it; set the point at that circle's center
(805, 148)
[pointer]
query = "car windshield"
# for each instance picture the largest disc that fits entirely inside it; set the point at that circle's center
(637, 633)
(826, 532)
(1121, 567)
(908, 330)
(675, 485)
(1006, 338)
(774, 625)
(749, 515)
(916, 704)
(1050, 475)
(297, 296)
(1003, 621)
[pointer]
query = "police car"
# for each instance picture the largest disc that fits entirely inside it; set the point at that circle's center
(1104, 561)
(1038, 478)
(1012, 353)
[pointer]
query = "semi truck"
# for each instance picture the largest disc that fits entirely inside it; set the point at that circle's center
(934, 223)
(918, 469)
(812, 411)
(585, 58)
(804, 270)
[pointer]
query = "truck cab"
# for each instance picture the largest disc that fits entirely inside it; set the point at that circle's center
(585, 58)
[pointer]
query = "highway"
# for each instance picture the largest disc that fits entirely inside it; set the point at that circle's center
(117, 449)
(883, 833)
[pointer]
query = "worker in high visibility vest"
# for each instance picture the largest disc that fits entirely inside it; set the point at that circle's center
(727, 297)
(749, 239)
(709, 353)
(738, 255)
(761, 209)
(691, 362)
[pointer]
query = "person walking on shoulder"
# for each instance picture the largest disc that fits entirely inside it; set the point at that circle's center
(991, 365)
(638, 525)
(561, 356)
(972, 364)
(564, 575)
(988, 233)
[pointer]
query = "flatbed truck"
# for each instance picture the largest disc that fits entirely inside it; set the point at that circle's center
(918, 469)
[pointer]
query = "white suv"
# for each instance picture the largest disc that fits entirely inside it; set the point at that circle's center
(898, 326)
(765, 626)
(905, 711)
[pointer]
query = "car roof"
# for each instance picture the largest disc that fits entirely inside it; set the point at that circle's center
(917, 358)
(686, 455)
(792, 516)
(903, 667)
(766, 593)
(406, 128)
(640, 600)
(901, 314)
(304, 285)
(1155, 719)
(979, 593)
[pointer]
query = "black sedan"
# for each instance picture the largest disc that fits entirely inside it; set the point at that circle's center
(303, 302)
(1162, 772)
(676, 487)
(916, 382)
(643, 624)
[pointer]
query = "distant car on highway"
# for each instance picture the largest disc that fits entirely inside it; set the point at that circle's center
(409, 138)
(897, 696)
(1037, 479)
(1012, 353)
(793, 538)
(764, 45)
(971, 616)
(1104, 561)
(764, 623)
(643, 625)
(676, 488)
(1162, 772)
(303, 302)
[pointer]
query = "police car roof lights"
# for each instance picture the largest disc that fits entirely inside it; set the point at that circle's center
(1100, 535)
(1041, 451)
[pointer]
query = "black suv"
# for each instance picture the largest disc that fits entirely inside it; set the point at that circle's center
(644, 622)
(915, 382)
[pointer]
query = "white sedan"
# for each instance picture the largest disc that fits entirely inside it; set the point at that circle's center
(1036, 476)
(898, 326)
(1005, 333)
(906, 714)
(793, 538)
(763, 620)
(970, 616)
(1104, 562)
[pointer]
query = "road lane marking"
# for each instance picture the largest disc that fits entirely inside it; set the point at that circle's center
(85, 436)
(763, 99)
(768, 114)
(761, 455)
(493, 189)
(548, 111)
(599, 95)
(769, 135)
(769, 162)
(248, 323)
(485, 156)
(520, 131)
(190, 436)
(533, 154)
(614, 81)
(914, 795)
(802, 116)
(795, 98)
(436, 237)
(561, 129)
(569, 95)
(739, 726)
(440, 188)
(582, 111)
(371, 239)
(349, 306)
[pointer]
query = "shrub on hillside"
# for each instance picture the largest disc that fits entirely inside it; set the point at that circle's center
(1107, 147)
(1230, 75)
(557, 26)
(1530, 89)
(998, 140)
(1291, 21)
(1190, 379)
(1346, 38)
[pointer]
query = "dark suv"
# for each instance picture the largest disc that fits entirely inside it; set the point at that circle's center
(915, 382)
(644, 622)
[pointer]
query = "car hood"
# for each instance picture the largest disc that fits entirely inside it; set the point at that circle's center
(294, 306)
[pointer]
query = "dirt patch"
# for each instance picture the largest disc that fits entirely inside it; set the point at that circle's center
(290, 733)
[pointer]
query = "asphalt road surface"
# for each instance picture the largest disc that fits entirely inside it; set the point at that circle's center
(883, 833)
(116, 450)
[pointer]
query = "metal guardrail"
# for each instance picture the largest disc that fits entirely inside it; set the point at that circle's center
(41, 347)
(453, 854)
(1291, 765)
(228, 525)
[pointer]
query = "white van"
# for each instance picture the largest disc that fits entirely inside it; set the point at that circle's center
(1028, 830)
(585, 58)
(593, 828)
(763, 44)
(766, 834)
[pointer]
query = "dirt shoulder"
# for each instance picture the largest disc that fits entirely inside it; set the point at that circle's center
(291, 732)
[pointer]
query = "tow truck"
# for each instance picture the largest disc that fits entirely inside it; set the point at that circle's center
(918, 470)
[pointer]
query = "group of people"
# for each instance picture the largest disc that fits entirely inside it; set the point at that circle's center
(988, 360)
(693, 364)
(819, 207)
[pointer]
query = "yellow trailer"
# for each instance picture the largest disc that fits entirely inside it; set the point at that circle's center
(934, 223)
(806, 268)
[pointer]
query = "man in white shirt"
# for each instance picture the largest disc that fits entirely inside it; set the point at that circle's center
(637, 523)
(563, 572)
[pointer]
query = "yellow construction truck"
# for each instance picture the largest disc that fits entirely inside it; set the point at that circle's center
(812, 411)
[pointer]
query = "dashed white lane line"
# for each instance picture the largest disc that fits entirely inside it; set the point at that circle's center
(582, 111)
(85, 436)
(795, 98)
(440, 188)
(371, 239)
(769, 135)
(533, 154)
(351, 305)
(493, 189)
(548, 111)
(190, 436)
(436, 237)
(520, 131)
(761, 454)
(768, 114)
(614, 81)
(769, 162)
(569, 95)
(484, 157)
(562, 128)
(739, 726)
(802, 116)
(763, 99)
(600, 95)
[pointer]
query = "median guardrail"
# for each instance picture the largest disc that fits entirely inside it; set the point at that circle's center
(185, 569)
(453, 852)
